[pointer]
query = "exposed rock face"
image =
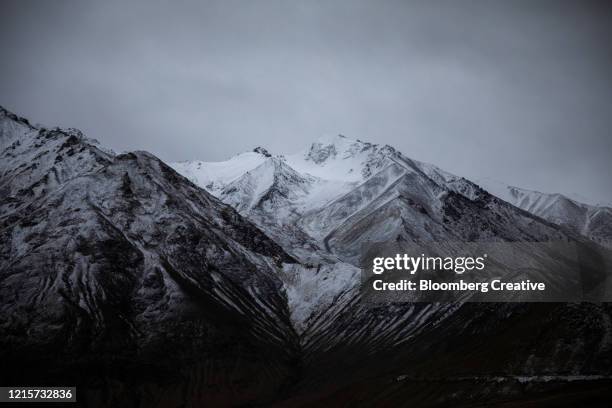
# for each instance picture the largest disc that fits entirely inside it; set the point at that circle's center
(262, 151)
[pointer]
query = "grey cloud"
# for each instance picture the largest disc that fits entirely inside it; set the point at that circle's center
(518, 91)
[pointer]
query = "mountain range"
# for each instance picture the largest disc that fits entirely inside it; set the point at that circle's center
(237, 282)
(592, 221)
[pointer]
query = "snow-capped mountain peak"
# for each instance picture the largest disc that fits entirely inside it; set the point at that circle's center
(341, 158)
(273, 179)
(336, 147)
(341, 173)
(214, 176)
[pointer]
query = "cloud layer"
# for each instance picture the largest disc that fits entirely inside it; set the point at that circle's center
(516, 91)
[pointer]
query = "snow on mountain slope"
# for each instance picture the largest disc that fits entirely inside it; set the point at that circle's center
(269, 192)
(398, 203)
(215, 175)
(312, 291)
(329, 168)
(321, 221)
(257, 171)
(341, 158)
(274, 196)
(594, 222)
(273, 183)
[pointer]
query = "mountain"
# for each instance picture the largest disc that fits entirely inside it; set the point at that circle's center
(592, 221)
(443, 351)
(124, 277)
(116, 268)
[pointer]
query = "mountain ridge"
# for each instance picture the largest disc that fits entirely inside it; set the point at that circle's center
(352, 162)
(107, 261)
(592, 221)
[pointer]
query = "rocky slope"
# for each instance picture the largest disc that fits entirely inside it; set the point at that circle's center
(116, 268)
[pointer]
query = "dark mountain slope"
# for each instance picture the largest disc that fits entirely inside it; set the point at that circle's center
(116, 270)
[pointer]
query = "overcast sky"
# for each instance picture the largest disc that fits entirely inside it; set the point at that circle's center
(516, 91)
